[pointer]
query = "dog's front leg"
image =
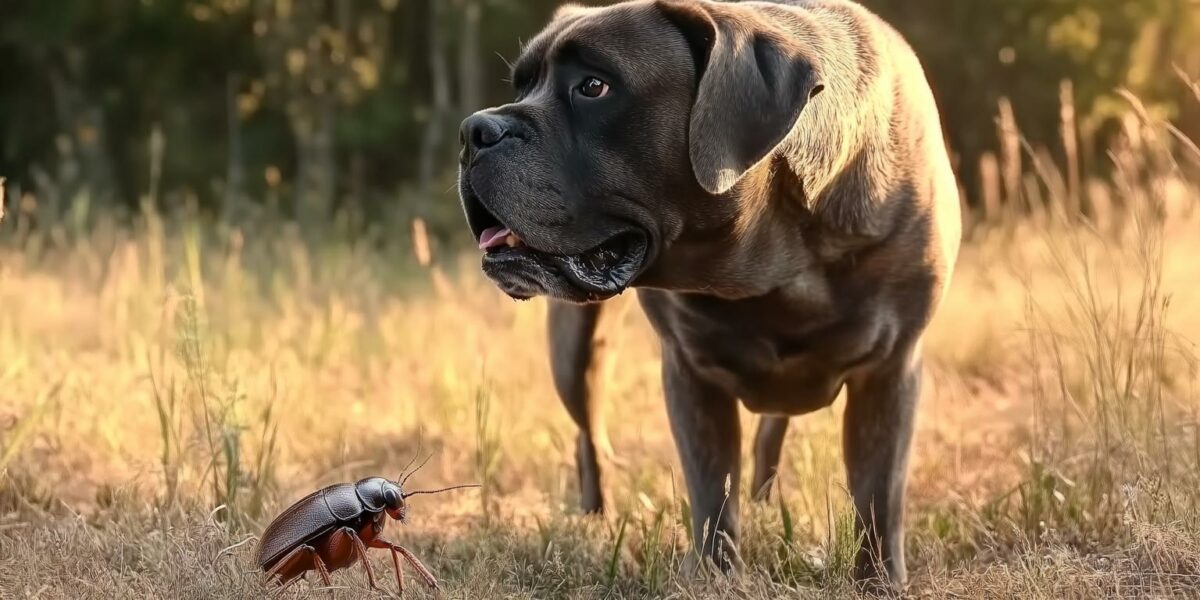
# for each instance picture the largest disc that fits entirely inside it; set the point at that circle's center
(880, 413)
(704, 421)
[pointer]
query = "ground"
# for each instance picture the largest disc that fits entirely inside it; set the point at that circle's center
(167, 387)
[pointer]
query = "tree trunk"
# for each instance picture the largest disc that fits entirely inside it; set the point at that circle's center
(235, 164)
(470, 82)
(432, 141)
(85, 168)
(315, 174)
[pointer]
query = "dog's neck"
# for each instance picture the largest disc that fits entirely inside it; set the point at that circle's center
(748, 243)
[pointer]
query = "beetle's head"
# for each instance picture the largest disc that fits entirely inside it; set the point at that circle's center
(393, 500)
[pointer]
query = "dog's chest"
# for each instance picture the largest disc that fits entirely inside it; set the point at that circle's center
(777, 355)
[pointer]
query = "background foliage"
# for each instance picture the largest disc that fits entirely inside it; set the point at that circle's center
(324, 104)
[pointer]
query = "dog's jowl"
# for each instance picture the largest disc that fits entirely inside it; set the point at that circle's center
(773, 180)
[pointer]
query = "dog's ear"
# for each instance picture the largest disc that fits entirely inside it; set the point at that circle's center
(754, 81)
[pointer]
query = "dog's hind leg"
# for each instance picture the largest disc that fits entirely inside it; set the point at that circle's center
(768, 445)
(575, 360)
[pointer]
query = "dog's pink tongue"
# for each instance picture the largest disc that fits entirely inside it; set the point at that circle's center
(493, 236)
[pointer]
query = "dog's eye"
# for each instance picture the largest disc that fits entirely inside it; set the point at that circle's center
(593, 88)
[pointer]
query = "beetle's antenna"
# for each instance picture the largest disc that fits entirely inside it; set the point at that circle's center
(457, 487)
(414, 471)
(420, 444)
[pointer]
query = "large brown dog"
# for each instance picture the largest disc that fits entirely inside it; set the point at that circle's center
(773, 177)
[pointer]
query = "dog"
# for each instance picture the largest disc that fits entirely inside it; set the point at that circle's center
(773, 179)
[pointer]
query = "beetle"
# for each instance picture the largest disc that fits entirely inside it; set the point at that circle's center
(332, 528)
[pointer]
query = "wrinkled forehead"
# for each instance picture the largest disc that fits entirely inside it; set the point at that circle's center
(631, 40)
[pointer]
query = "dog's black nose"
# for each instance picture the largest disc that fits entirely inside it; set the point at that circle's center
(479, 132)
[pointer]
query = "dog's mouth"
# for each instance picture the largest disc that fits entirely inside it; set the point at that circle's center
(523, 271)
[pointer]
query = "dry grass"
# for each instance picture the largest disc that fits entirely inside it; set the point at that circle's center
(150, 374)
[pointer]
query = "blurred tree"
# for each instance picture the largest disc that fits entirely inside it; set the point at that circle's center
(319, 59)
(978, 52)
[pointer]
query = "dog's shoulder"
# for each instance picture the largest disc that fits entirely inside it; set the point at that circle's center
(868, 150)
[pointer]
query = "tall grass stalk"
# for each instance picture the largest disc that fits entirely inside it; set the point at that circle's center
(166, 406)
(236, 469)
(487, 452)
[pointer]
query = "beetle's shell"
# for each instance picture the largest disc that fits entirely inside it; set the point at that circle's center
(313, 516)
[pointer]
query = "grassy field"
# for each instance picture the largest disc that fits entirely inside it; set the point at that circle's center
(167, 386)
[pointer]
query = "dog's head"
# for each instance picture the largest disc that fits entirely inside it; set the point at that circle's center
(628, 122)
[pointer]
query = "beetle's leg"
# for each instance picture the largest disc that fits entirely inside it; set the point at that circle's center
(399, 571)
(384, 544)
(362, 554)
(372, 543)
(322, 570)
(412, 559)
(289, 559)
(285, 561)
